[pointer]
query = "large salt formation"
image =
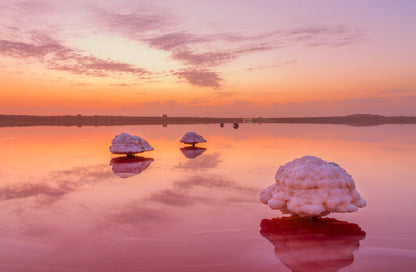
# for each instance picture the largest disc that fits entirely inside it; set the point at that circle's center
(129, 144)
(310, 187)
(192, 138)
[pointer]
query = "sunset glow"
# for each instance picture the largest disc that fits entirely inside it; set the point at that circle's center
(208, 58)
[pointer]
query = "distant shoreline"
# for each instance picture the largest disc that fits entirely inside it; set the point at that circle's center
(102, 120)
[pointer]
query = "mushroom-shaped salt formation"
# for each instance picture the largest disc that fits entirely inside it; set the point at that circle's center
(304, 245)
(125, 167)
(192, 138)
(311, 187)
(129, 144)
(192, 152)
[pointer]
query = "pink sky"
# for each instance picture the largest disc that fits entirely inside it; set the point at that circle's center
(208, 58)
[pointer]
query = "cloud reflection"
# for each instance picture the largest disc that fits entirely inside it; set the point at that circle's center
(203, 188)
(306, 245)
(207, 161)
(125, 167)
(56, 185)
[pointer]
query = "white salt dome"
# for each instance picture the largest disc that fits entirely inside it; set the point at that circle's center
(310, 186)
(129, 144)
(192, 138)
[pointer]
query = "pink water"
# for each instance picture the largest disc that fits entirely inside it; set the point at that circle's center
(64, 207)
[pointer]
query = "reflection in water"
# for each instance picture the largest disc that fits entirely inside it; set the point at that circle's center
(192, 152)
(305, 245)
(125, 167)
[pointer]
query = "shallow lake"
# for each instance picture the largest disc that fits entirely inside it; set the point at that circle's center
(68, 204)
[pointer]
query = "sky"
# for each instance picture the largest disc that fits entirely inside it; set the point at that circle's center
(228, 58)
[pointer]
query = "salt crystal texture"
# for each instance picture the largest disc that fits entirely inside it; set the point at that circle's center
(129, 144)
(192, 138)
(310, 186)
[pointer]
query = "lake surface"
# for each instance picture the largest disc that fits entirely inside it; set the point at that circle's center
(67, 204)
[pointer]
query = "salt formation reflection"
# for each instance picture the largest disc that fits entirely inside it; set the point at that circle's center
(305, 245)
(192, 152)
(125, 167)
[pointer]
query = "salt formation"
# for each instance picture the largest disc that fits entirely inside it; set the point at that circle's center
(305, 245)
(192, 138)
(129, 144)
(310, 186)
(192, 152)
(126, 167)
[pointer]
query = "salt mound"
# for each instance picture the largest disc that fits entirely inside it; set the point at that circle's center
(192, 138)
(129, 144)
(310, 186)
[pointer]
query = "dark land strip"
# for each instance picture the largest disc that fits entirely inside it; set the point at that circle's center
(102, 120)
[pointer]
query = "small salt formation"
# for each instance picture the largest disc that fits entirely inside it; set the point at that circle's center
(192, 138)
(310, 187)
(129, 144)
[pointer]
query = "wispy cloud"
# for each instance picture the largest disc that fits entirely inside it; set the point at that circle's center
(59, 57)
(172, 41)
(200, 77)
(209, 51)
(134, 23)
(202, 56)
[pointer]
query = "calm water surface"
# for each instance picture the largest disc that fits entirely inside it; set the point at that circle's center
(67, 204)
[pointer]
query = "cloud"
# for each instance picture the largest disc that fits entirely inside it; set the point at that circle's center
(320, 36)
(201, 55)
(175, 40)
(199, 77)
(134, 23)
(206, 59)
(58, 57)
(31, 7)
(214, 50)
(25, 50)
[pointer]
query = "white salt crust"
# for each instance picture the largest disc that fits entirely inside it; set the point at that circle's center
(310, 186)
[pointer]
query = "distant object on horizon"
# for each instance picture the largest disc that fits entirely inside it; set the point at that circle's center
(192, 138)
(221, 124)
(125, 143)
(235, 125)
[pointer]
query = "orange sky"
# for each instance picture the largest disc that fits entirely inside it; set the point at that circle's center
(268, 58)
